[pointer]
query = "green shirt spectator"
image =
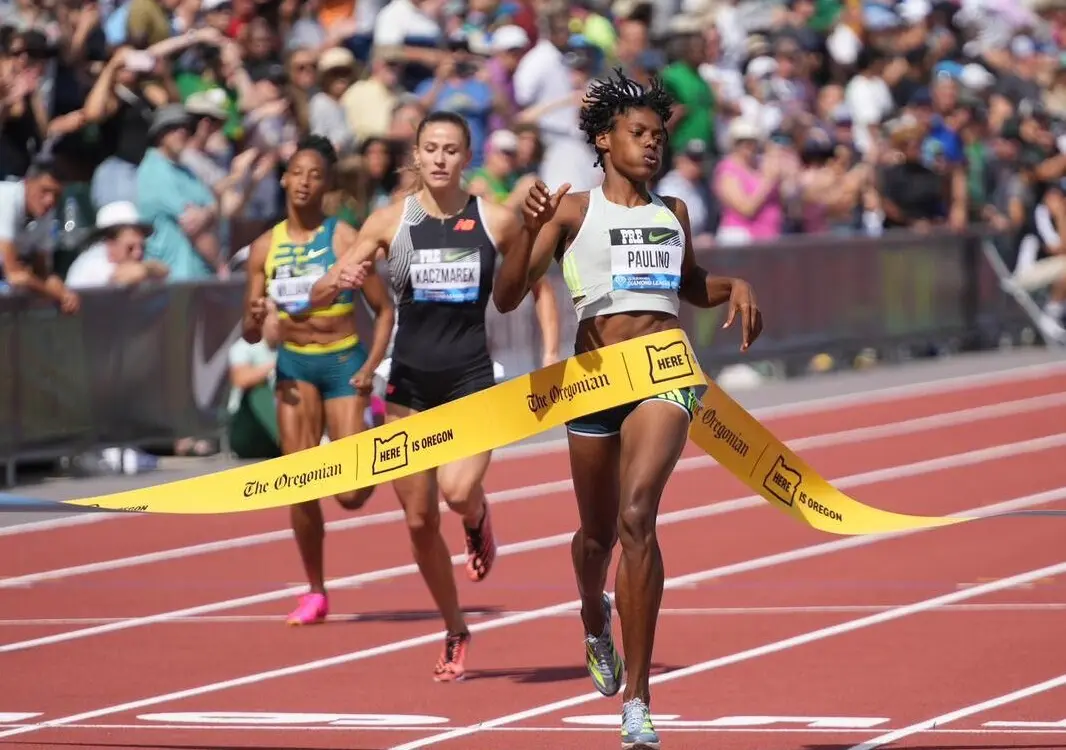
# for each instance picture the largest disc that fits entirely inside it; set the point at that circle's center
(684, 82)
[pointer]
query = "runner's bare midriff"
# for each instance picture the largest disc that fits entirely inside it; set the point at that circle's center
(604, 330)
(302, 330)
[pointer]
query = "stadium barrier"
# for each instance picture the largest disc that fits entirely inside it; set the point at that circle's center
(147, 366)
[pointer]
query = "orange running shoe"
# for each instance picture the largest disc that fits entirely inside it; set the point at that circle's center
(450, 667)
(480, 548)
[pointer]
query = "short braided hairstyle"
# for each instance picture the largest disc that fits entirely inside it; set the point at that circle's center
(321, 146)
(606, 99)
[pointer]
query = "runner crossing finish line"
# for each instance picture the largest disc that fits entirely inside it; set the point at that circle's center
(518, 409)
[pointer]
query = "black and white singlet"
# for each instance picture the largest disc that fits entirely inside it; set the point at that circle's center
(442, 273)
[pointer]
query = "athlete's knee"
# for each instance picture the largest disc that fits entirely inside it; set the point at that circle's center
(636, 522)
(423, 525)
(595, 543)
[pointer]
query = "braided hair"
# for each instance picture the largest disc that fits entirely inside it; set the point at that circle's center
(321, 146)
(606, 99)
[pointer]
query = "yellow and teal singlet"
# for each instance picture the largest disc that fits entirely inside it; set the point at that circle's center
(292, 268)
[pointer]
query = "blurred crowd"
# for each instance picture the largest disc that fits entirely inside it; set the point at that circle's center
(143, 139)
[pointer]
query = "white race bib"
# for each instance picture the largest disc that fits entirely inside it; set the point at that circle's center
(292, 293)
(451, 275)
(647, 258)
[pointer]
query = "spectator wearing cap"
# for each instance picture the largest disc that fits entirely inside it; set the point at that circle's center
(759, 105)
(457, 87)
(496, 179)
(216, 63)
(748, 192)
(115, 256)
(368, 103)
(694, 114)
(26, 221)
(336, 72)
(507, 45)
(179, 205)
(687, 180)
(207, 155)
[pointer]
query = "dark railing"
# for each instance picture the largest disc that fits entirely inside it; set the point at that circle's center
(147, 366)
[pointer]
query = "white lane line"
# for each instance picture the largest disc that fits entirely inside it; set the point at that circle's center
(826, 404)
(218, 728)
(844, 437)
(56, 523)
(962, 713)
(814, 609)
(980, 456)
(758, 563)
(784, 644)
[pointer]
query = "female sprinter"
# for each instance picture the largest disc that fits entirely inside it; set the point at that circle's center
(441, 244)
(324, 374)
(621, 458)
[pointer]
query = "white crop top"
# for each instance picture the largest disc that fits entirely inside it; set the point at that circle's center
(625, 259)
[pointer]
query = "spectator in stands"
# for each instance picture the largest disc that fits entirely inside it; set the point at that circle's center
(457, 87)
(115, 256)
(508, 45)
(749, 189)
(694, 114)
(26, 230)
(688, 181)
(912, 193)
(253, 423)
(23, 110)
(368, 104)
(336, 71)
(180, 206)
(497, 178)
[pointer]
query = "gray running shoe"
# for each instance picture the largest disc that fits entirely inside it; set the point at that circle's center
(638, 733)
(602, 659)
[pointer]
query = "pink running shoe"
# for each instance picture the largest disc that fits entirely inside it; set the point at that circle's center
(313, 608)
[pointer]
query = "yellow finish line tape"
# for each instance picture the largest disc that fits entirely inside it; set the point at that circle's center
(518, 409)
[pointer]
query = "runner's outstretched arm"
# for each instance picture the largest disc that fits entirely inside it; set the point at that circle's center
(701, 289)
(528, 252)
(355, 259)
(376, 294)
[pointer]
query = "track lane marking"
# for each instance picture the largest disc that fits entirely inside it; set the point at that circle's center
(813, 609)
(759, 563)
(962, 713)
(774, 647)
(980, 456)
(823, 440)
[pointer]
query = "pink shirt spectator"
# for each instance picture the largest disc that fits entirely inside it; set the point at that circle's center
(768, 217)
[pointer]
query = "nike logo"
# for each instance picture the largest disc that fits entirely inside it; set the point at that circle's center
(312, 254)
(659, 236)
(208, 373)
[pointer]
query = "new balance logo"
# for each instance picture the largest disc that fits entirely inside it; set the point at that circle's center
(465, 225)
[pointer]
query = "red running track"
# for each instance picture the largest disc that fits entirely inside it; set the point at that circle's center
(772, 635)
